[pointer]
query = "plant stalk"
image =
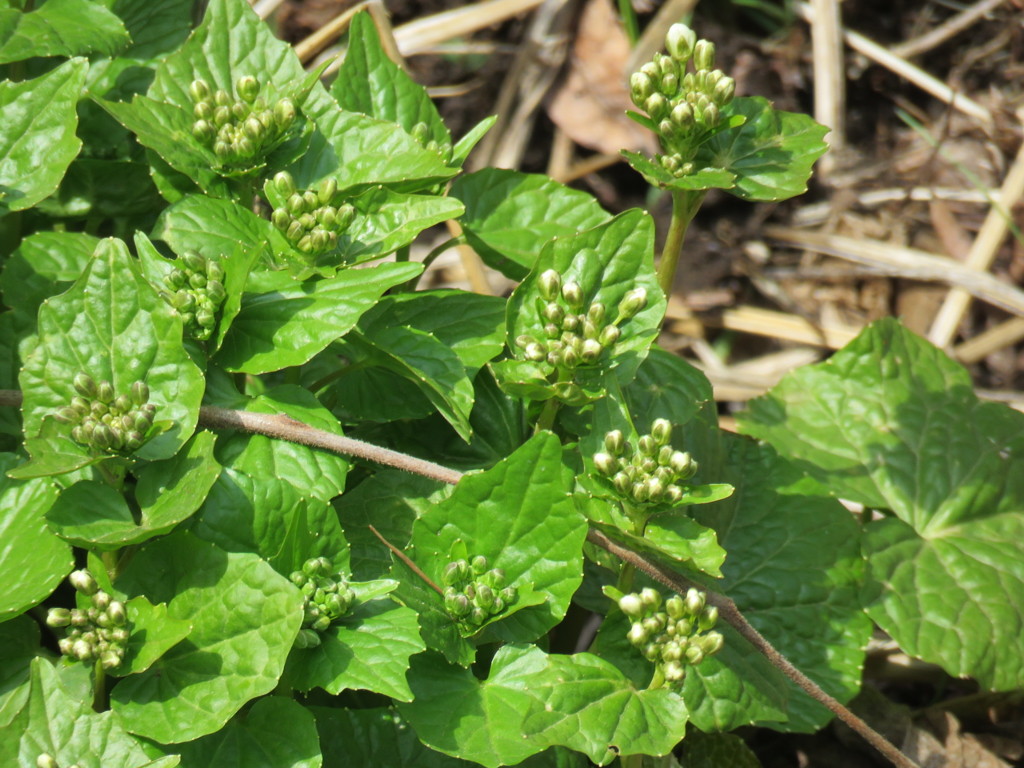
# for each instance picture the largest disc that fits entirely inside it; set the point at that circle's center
(685, 204)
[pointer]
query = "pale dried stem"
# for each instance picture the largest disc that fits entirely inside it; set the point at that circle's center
(983, 251)
(896, 261)
(908, 71)
(940, 34)
(997, 337)
(829, 74)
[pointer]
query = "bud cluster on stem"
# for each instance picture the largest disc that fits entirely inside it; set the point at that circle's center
(421, 132)
(310, 219)
(98, 633)
(685, 104)
(327, 595)
(242, 129)
(196, 290)
(576, 333)
(674, 633)
(474, 593)
(105, 421)
(649, 472)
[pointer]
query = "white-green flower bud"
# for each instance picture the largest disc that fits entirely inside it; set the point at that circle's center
(675, 607)
(682, 116)
(661, 431)
(633, 302)
(254, 129)
(548, 284)
(670, 84)
(632, 606)
(46, 761)
(58, 617)
(117, 613)
(221, 116)
(680, 41)
(622, 483)
(712, 643)
(326, 190)
(694, 601)
(199, 90)
(284, 183)
(694, 654)
(614, 442)
(704, 55)
(637, 635)
(248, 88)
(591, 351)
(657, 106)
(478, 565)
(673, 671)
(651, 651)
(606, 464)
(573, 295)
(683, 464)
(294, 232)
(651, 598)
(83, 581)
(647, 446)
(724, 91)
(284, 114)
(711, 116)
(281, 218)
(110, 659)
(641, 86)
(568, 392)
(81, 650)
(708, 618)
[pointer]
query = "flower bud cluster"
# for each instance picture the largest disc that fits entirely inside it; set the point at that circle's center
(240, 130)
(421, 132)
(46, 760)
(474, 593)
(196, 290)
(673, 634)
(308, 218)
(575, 333)
(649, 472)
(105, 421)
(685, 105)
(327, 595)
(98, 633)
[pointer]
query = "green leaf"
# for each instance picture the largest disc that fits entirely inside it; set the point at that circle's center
(294, 320)
(374, 737)
(519, 516)
(37, 137)
(510, 216)
(153, 633)
(259, 514)
(361, 151)
(714, 750)
(892, 423)
(45, 264)
(62, 726)
(104, 189)
(274, 733)
(418, 357)
(155, 28)
(607, 261)
(310, 471)
(472, 137)
(659, 176)
(371, 83)
(807, 550)
(367, 649)
(390, 501)
(112, 325)
(32, 560)
(771, 153)
(245, 618)
(60, 28)
(531, 700)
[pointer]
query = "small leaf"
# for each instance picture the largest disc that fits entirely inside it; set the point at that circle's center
(60, 28)
(771, 153)
(531, 701)
(153, 633)
(510, 216)
(32, 560)
(700, 179)
(37, 136)
(291, 321)
(244, 617)
(367, 649)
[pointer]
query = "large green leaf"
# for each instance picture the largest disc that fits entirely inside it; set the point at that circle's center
(45, 264)
(62, 726)
(32, 560)
(291, 321)
(519, 516)
(60, 28)
(153, 632)
(312, 472)
(510, 216)
(113, 326)
(771, 153)
(367, 649)
(271, 518)
(531, 701)
(93, 514)
(892, 423)
(274, 733)
(37, 136)
(155, 28)
(244, 617)
(371, 83)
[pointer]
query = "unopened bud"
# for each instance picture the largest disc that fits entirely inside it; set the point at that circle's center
(83, 581)
(549, 283)
(326, 190)
(631, 605)
(640, 88)
(637, 635)
(651, 598)
(708, 618)
(679, 42)
(724, 91)
(284, 114)
(591, 351)
(694, 601)
(58, 617)
(606, 464)
(704, 55)
(633, 302)
(661, 431)
(573, 295)
(656, 106)
(478, 565)
(248, 88)
(199, 90)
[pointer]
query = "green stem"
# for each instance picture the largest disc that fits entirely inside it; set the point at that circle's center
(546, 420)
(100, 703)
(684, 206)
(402, 254)
(628, 14)
(429, 259)
(639, 520)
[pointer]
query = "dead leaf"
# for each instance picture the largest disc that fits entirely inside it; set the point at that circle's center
(591, 102)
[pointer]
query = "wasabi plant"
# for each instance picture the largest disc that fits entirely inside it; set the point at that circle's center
(266, 501)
